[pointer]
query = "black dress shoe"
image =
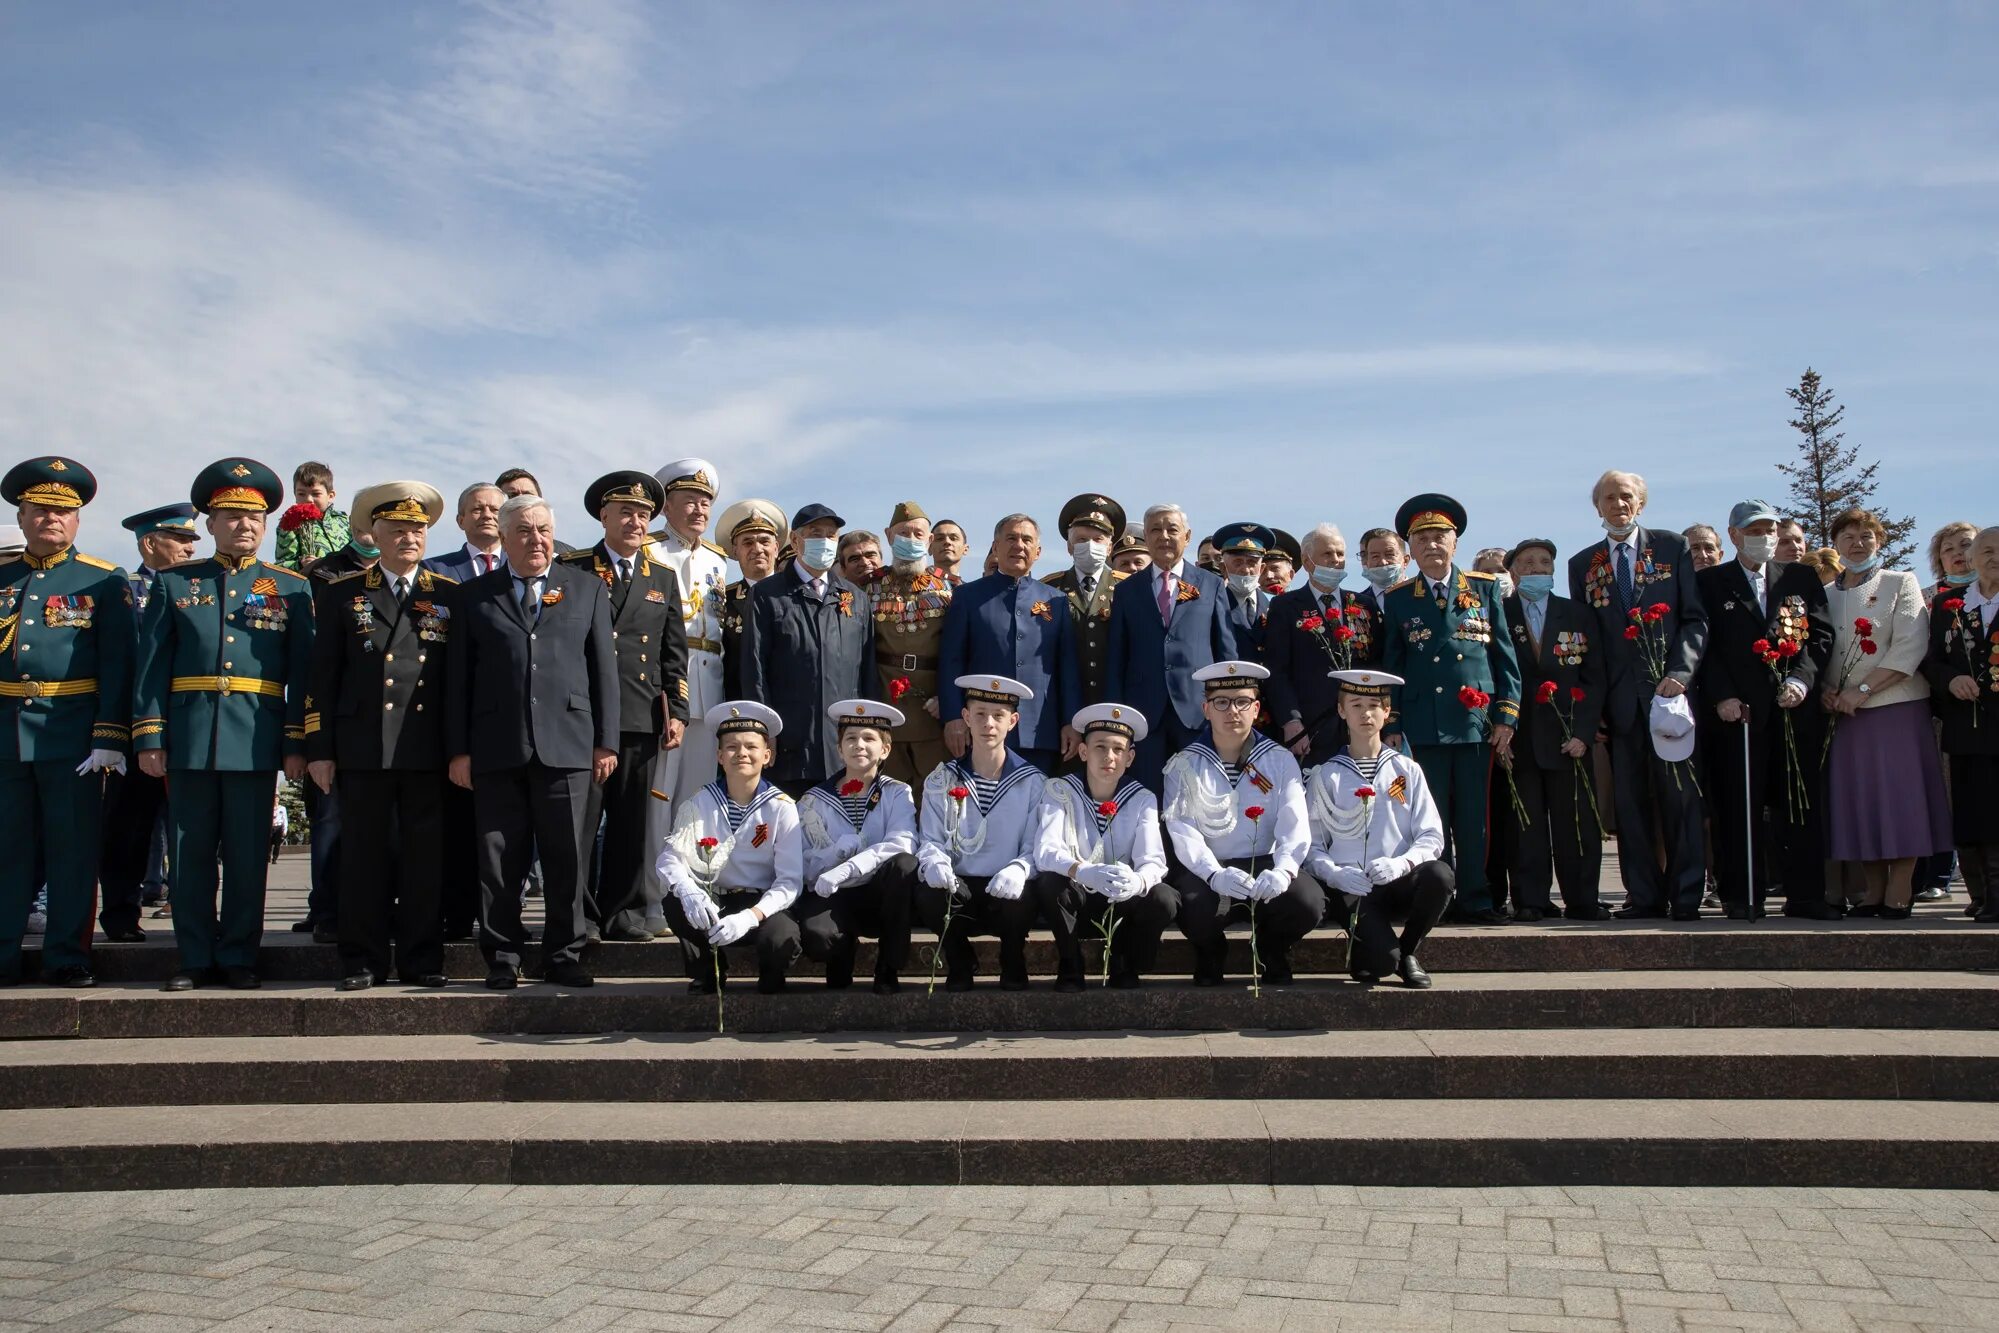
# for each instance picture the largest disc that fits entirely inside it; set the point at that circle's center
(958, 982)
(1278, 974)
(627, 935)
(1125, 981)
(181, 981)
(888, 986)
(1737, 912)
(575, 976)
(838, 980)
(428, 980)
(1484, 916)
(1207, 979)
(75, 975)
(1412, 973)
(1686, 914)
(1069, 985)
(1864, 909)
(1013, 983)
(301, 927)
(704, 985)
(1896, 913)
(1528, 914)
(502, 976)
(126, 935)
(359, 981)
(1597, 913)
(771, 985)
(1814, 911)
(240, 978)
(326, 933)
(1640, 914)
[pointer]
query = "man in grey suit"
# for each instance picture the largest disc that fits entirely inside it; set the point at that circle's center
(533, 721)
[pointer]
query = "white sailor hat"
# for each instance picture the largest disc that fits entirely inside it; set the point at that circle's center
(865, 713)
(1118, 719)
(1374, 684)
(753, 516)
(995, 690)
(1232, 676)
(742, 715)
(691, 474)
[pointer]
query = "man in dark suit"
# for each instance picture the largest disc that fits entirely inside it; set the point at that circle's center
(374, 737)
(1635, 569)
(1309, 633)
(808, 644)
(1562, 676)
(651, 644)
(1165, 626)
(1242, 547)
(1012, 625)
(479, 519)
(533, 721)
(1091, 524)
(1382, 560)
(1770, 637)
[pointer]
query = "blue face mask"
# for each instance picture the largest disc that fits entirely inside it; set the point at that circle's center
(1959, 580)
(1383, 577)
(819, 552)
(907, 549)
(1867, 566)
(1327, 579)
(1535, 587)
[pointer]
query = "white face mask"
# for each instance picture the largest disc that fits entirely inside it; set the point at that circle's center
(1090, 557)
(1505, 582)
(1244, 584)
(1759, 550)
(1619, 532)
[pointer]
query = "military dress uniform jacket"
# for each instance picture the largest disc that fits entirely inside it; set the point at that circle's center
(803, 656)
(735, 616)
(225, 660)
(1301, 688)
(1020, 629)
(533, 691)
(702, 573)
(1090, 619)
(909, 611)
(1731, 668)
(1073, 828)
(1439, 652)
(1205, 810)
(379, 674)
(649, 636)
(67, 642)
(1662, 573)
(1247, 616)
(1569, 655)
(866, 830)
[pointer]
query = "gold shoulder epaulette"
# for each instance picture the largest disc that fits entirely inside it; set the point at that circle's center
(442, 578)
(280, 569)
(1480, 574)
(1397, 587)
(190, 564)
(716, 549)
(577, 557)
(349, 576)
(91, 560)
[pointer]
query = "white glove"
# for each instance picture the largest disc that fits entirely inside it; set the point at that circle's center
(846, 848)
(1385, 870)
(1233, 883)
(937, 874)
(1350, 880)
(102, 761)
(1128, 884)
(1097, 879)
(700, 910)
(831, 882)
(732, 928)
(1008, 884)
(1269, 884)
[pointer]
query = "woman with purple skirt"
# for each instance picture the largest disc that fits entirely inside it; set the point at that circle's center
(1885, 800)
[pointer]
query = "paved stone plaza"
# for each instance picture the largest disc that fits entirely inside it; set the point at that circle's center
(728, 1257)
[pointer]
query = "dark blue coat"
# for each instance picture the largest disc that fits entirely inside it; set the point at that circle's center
(1247, 617)
(546, 692)
(1152, 665)
(800, 657)
(1018, 628)
(1664, 572)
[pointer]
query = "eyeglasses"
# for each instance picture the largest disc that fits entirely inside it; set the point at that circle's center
(1235, 703)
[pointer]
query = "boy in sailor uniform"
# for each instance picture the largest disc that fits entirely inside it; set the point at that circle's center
(1377, 837)
(1100, 853)
(1235, 810)
(735, 862)
(975, 845)
(860, 851)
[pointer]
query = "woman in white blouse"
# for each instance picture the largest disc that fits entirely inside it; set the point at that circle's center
(1884, 792)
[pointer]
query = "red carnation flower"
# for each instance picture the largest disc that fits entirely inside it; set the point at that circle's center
(1789, 648)
(960, 793)
(1471, 696)
(1107, 809)
(1546, 694)
(1771, 658)
(1577, 694)
(1632, 631)
(1656, 613)
(1954, 604)
(1343, 632)
(1760, 647)
(897, 688)
(851, 787)
(1863, 626)
(1636, 614)
(298, 516)
(1255, 812)
(1868, 647)
(1365, 793)
(709, 844)
(1312, 623)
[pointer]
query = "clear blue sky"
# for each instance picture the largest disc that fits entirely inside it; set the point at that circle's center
(1287, 262)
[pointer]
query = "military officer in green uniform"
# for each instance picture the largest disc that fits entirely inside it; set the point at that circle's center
(910, 598)
(225, 651)
(1090, 524)
(1446, 633)
(65, 715)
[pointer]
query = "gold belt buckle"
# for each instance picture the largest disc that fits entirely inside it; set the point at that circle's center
(35, 689)
(223, 685)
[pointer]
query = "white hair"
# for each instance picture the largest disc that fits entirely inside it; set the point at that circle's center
(1637, 485)
(521, 504)
(1320, 536)
(1156, 510)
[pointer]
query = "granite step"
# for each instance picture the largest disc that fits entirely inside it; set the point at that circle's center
(1933, 941)
(1905, 1144)
(1750, 1063)
(1642, 999)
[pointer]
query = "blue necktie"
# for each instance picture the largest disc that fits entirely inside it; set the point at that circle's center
(1624, 588)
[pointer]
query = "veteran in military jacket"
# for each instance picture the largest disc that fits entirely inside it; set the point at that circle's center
(65, 714)
(910, 599)
(754, 531)
(374, 738)
(225, 653)
(1090, 524)
(650, 639)
(1447, 634)
(1311, 634)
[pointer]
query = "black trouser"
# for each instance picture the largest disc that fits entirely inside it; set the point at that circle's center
(390, 871)
(1788, 846)
(1502, 838)
(1135, 925)
(1656, 800)
(1561, 842)
(1280, 923)
(976, 913)
(133, 803)
(1974, 795)
(459, 896)
(1421, 896)
(831, 928)
(519, 812)
(322, 900)
(617, 892)
(776, 939)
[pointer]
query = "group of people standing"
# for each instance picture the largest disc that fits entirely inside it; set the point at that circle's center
(859, 733)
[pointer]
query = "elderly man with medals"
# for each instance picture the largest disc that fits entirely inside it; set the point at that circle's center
(909, 599)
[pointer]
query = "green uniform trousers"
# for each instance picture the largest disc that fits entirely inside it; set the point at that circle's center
(1460, 778)
(46, 805)
(226, 816)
